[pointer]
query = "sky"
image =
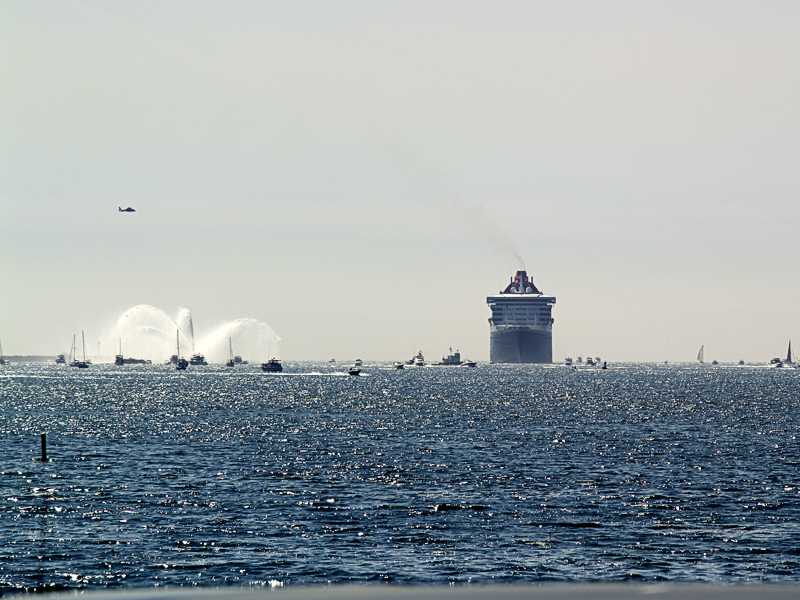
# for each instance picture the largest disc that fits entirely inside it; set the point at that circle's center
(359, 176)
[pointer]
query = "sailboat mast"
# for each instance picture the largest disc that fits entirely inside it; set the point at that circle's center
(83, 341)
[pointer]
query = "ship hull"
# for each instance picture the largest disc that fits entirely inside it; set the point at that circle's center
(521, 345)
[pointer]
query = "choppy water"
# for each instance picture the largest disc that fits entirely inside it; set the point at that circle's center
(428, 475)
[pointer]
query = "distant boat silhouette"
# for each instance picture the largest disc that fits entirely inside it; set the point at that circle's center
(129, 209)
(700, 355)
(181, 363)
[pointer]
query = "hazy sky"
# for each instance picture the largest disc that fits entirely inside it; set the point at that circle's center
(361, 175)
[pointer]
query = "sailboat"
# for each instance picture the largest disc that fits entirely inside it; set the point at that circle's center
(3, 361)
(73, 355)
(83, 364)
(789, 360)
(182, 362)
(119, 359)
(230, 362)
(700, 355)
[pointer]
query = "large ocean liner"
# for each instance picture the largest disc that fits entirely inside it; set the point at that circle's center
(521, 325)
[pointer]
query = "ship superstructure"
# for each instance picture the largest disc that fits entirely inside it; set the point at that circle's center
(521, 325)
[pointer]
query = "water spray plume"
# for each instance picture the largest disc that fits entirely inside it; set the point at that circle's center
(149, 332)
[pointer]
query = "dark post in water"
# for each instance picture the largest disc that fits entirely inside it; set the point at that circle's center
(44, 447)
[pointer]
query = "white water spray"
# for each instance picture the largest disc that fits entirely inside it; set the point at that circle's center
(148, 332)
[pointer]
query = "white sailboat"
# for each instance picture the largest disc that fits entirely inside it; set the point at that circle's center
(3, 361)
(700, 355)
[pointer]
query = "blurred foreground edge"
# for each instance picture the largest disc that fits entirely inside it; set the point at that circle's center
(549, 591)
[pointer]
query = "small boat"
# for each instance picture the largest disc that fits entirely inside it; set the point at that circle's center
(83, 364)
(354, 370)
(776, 362)
(120, 360)
(469, 363)
(333, 360)
(180, 363)
(238, 360)
(60, 360)
(73, 354)
(700, 355)
(741, 362)
(789, 358)
(3, 361)
(451, 360)
(713, 362)
(198, 360)
(589, 361)
(230, 362)
(358, 362)
(568, 361)
(399, 365)
(418, 360)
(273, 365)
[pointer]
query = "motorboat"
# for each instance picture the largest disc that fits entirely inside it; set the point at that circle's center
(60, 360)
(120, 360)
(354, 370)
(198, 360)
(451, 360)
(399, 365)
(469, 363)
(273, 365)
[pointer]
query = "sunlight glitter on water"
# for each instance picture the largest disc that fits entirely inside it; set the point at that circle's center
(501, 473)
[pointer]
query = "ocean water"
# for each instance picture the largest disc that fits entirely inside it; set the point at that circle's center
(499, 474)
